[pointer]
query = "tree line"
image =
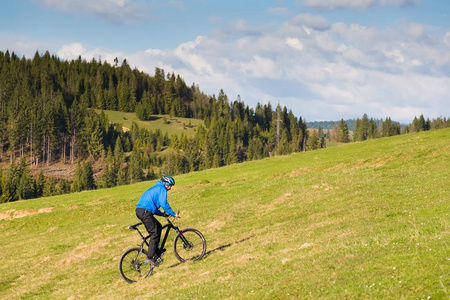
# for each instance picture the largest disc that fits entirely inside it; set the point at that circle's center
(366, 128)
(47, 116)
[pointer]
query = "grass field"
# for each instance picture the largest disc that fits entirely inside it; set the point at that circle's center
(366, 220)
(171, 126)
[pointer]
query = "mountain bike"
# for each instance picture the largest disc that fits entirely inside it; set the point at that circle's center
(188, 244)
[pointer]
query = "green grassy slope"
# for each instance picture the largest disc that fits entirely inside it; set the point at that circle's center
(359, 221)
(174, 124)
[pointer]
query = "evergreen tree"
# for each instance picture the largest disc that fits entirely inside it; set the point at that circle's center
(283, 147)
(313, 142)
(10, 190)
(372, 131)
(175, 142)
(1, 184)
(211, 150)
(192, 154)
(135, 172)
(77, 185)
(122, 176)
(183, 141)
(170, 166)
(232, 154)
(49, 187)
(39, 184)
(25, 188)
(62, 187)
(358, 134)
(109, 177)
(93, 135)
(343, 133)
(365, 126)
(87, 181)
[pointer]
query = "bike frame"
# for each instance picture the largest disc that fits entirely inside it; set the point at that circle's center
(167, 226)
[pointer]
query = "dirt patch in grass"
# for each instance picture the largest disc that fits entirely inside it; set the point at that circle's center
(276, 202)
(14, 214)
(323, 186)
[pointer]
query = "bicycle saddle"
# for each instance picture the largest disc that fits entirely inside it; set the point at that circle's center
(134, 226)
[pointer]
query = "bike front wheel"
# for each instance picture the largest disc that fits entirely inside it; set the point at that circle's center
(132, 267)
(189, 244)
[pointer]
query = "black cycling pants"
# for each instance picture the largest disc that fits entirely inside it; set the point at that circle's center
(153, 227)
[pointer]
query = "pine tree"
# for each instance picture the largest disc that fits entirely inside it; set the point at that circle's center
(170, 166)
(109, 177)
(122, 176)
(192, 154)
(87, 181)
(25, 188)
(135, 171)
(6, 196)
(62, 187)
(39, 184)
(93, 135)
(232, 155)
(365, 126)
(49, 187)
(343, 133)
(358, 134)
(372, 132)
(1, 183)
(119, 157)
(11, 189)
(175, 142)
(313, 141)
(283, 147)
(77, 185)
(183, 141)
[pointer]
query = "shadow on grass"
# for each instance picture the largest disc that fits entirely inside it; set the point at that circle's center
(220, 248)
(153, 118)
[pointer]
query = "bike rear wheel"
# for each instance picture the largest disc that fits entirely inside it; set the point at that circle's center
(132, 267)
(189, 244)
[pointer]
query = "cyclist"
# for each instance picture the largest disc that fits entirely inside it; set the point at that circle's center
(149, 204)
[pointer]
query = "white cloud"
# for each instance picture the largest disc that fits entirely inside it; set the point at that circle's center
(186, 52)
(332, 70)
(312, 21)
(118, 11)
(294, 43)
(74, 50)
(355, 4)
(259, 67)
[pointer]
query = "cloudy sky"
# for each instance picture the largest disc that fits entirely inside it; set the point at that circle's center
(324, 59)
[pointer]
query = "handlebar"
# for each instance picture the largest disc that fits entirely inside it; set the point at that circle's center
(167, 216)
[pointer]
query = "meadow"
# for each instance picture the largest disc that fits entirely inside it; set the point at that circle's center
(368, 220)
(165, 123)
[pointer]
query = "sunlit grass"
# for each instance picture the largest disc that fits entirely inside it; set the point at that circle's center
(165, 123)
(360, 221)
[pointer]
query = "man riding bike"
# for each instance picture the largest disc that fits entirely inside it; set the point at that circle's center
(149, 204)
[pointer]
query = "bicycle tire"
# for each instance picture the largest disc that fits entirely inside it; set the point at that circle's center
(195, 249)
(132, 267)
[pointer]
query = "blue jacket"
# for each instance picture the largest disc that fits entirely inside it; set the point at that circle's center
(155, 198)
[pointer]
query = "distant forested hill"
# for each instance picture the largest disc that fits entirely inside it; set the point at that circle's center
(329, 124)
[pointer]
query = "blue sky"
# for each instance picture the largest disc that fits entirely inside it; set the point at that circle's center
(324, 59)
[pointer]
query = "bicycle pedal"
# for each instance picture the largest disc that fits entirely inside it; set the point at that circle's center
(160, 260)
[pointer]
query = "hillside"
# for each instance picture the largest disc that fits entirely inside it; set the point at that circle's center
(359, 221)
(165, 123)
